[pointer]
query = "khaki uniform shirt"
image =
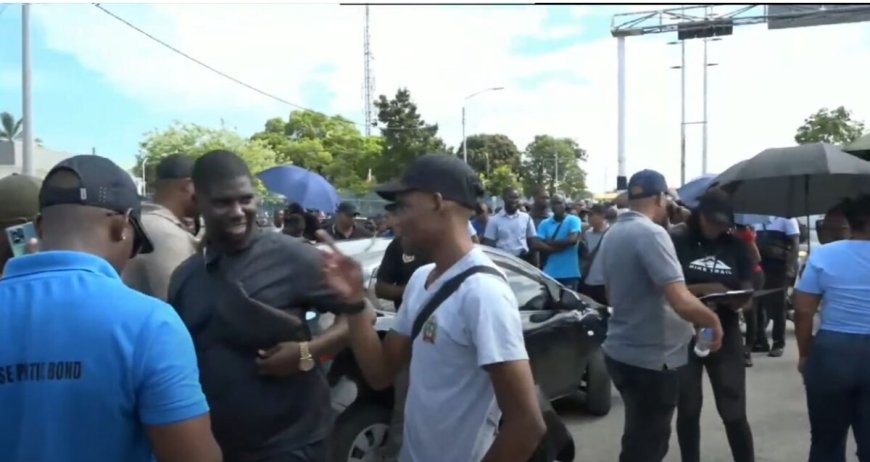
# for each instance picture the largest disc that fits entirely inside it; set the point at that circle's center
(173, 244)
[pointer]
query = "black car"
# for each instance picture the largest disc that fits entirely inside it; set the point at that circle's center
(563, 333)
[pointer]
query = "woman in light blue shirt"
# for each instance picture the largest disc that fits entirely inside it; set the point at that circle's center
(835, 362)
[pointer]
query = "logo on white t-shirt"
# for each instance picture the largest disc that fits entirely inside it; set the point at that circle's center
(430, 329)
(710, 265)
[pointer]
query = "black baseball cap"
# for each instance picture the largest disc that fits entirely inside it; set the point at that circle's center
(348, 208)
(715, 205)
(437, 173)
(102, 184)
(175, 167)
(646, 183)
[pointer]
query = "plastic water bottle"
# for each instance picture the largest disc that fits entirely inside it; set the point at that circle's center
(702, 343)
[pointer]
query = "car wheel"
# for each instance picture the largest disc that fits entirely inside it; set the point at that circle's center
(598, 391)
(360, 434)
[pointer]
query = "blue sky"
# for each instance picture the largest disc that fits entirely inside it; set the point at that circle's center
(77, 108)
(99, 84)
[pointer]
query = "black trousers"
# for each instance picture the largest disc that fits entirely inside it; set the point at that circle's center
(754, 317)
(772, 307)
(650, 398)
(728, 377)
(837, 380)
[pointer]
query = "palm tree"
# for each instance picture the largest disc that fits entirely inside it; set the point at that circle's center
(9, 129)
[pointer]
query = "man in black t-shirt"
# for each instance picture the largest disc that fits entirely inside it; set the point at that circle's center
(395, 272)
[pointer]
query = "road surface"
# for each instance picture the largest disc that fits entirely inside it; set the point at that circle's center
(776, 408)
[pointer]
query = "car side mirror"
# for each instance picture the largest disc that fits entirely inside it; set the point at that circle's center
(568, 300)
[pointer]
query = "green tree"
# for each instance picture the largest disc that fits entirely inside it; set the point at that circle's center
(500, 178)
(554, 163)
(329, 145)
(406, 135)
(195, 140)
(10, 129)
(488, 152)
(834, 126)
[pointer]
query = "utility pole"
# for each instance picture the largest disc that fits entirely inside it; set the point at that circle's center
(621, 177)
(704, 115)
(368, 76)
(26, 94)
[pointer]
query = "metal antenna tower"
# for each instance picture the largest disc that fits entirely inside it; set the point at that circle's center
(368, 76)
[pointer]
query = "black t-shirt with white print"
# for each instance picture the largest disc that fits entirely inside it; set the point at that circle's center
(398, 266)
(725, 260)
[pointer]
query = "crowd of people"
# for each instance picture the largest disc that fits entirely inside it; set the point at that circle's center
(175, 329)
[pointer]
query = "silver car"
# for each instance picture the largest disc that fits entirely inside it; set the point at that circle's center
(563, 332)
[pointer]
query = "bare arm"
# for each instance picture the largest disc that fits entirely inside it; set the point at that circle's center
(523, 425)
(379, 361)
(805, 307)
(187, 441)
(331, 341)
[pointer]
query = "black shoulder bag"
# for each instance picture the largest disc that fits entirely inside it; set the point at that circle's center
(445, 291)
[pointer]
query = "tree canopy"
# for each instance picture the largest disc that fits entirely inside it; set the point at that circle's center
(488, 152)
(329, 145)
(405, 134)
(10, 129)
(553, 163)
(834, 126)
(195, 140)
(334, 147)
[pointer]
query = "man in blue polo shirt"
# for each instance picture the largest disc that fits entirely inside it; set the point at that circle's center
(558, 236)
(91, 370)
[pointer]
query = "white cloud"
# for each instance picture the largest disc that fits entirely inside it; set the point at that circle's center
(765, 84)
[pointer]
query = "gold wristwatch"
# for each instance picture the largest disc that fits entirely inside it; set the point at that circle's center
(306, 361)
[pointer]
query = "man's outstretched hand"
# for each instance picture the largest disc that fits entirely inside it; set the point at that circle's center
(342, 274)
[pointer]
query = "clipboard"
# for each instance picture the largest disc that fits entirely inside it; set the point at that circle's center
(733, 296)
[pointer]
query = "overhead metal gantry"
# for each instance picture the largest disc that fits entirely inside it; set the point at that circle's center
(704, 21)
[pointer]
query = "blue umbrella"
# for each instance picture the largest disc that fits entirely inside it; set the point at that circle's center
(304, 187)
(691, 191)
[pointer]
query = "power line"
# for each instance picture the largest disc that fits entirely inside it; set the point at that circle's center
(224, 74)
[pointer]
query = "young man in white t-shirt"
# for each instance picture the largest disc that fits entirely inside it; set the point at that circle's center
(469, 367)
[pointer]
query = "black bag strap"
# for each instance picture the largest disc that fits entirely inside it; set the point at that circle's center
(597, 246)
(445, 291)
(558, 228)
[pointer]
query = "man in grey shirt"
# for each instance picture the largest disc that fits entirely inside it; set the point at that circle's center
(653, 312)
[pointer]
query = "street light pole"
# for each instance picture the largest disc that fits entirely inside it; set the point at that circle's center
(464, 144)
(26, 91)
(464, 138)
(682, 112)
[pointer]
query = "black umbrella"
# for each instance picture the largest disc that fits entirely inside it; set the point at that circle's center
(788, 182)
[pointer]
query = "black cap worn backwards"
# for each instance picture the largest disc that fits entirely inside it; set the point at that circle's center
(437, 173)
(101, 184)
(175, 167)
